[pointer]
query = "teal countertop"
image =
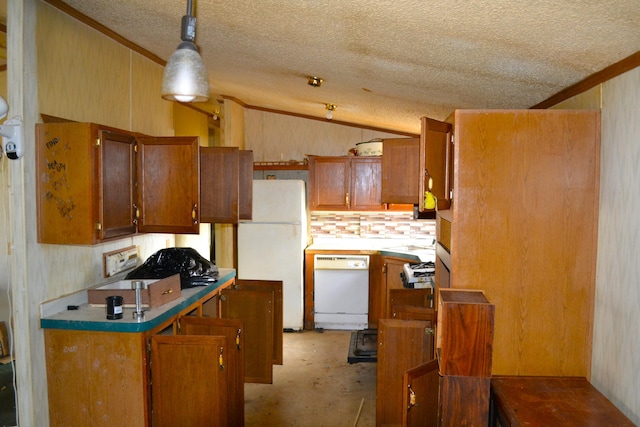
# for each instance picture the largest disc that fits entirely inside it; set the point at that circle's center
(89, 318)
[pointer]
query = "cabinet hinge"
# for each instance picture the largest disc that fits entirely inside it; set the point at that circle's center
(98, 142)
(453, 138)
(135, 147)
(98, 226)
(149, 346)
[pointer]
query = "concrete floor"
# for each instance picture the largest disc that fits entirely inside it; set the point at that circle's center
(315, 386)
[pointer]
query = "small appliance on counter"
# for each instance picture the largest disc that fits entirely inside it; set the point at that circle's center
(419, 275)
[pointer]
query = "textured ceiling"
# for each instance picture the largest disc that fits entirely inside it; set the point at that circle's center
(386, 63)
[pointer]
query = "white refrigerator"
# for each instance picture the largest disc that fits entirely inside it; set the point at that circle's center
(271, 246)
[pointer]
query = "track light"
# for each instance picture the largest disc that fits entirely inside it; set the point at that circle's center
(185, 76)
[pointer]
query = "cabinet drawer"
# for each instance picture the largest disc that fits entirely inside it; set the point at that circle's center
(157, 292)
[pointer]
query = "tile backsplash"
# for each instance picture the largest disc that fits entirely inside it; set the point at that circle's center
(370, 225)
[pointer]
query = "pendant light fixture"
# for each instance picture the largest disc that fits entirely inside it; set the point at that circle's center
(185, 76)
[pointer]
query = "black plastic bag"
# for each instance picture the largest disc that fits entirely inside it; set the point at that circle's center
(194, 269)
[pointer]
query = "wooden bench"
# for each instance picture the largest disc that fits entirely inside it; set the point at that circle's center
(550, 401)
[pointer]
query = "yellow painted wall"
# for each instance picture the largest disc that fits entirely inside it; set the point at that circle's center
(87, 77)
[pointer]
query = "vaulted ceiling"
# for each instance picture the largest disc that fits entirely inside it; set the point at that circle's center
(385, 63)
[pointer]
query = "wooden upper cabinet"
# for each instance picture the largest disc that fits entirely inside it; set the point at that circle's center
(400, 170)
(345, 183)
(436, 162)
(226, 181)
(246, 184)
(168, 185)
(329, 183)
(366, 183)
(85, 177)
(117, 168)
(219, 177)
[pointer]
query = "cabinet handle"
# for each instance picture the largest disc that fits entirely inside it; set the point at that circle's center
(136, 213)
(412, 398)
(194, 213)
(238, 332)
(346, 199)
(221, 359)
(168, 291)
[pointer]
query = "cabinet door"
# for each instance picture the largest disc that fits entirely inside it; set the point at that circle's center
(402, 345)
(168, 185)
(274, 286)
(246, 184)
(220, 181)
(329, 183)
(233, 331)
(392, 267)
(255, 309)
(190, 381)
(96, 378)
(400, 170)
(366, 184)
(85, 183)
(410, 297)
(116, 166)
(421, 386)
(436, 160)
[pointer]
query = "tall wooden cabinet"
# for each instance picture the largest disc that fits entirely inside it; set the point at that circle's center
(524, 229)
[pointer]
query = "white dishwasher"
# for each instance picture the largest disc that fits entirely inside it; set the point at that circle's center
(341, 291)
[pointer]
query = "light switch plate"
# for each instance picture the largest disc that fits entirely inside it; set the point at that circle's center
(118, 261)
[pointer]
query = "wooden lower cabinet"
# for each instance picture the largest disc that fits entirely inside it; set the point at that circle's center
(384, 273)
(188, 389)
(402, 345)
(189, 370)
(420, 398)
(413, 388)
(431, 399)
(231, 358)
(96, 378)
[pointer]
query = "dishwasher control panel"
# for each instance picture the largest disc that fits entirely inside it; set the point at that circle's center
(341, 262)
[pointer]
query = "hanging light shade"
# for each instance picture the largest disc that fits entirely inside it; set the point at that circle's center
(185, 76)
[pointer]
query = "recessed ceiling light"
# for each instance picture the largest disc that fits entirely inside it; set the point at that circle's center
(315, 81)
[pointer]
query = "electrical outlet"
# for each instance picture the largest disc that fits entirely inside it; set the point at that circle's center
(118, 261)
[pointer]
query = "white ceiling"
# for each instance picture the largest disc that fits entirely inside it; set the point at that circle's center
(386, 63)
